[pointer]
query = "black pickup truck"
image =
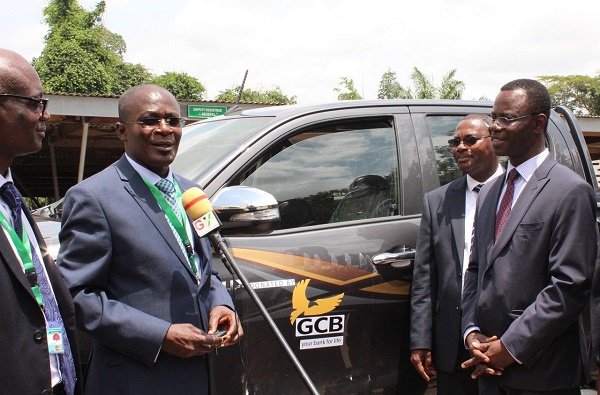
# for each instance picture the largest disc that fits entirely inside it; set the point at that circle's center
(335, 273)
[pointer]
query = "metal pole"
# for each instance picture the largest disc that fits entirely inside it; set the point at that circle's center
(84, 140)
(229, 262)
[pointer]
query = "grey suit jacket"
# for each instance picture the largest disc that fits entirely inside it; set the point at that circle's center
(23, 346)
(531, 286)
(130, 281)
(437, 275)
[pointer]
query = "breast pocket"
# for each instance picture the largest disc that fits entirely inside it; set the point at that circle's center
(527, 234)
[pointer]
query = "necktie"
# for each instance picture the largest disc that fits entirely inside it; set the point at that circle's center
(167, 189)
(476, 189)
(12, 197)
(506, 203)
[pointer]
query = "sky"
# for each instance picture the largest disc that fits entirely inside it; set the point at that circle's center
(306, 46)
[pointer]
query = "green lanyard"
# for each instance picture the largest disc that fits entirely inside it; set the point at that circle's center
(24, 250)
(178, 223)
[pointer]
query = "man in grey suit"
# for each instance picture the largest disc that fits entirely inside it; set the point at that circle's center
(533, 255)
(141, 279)
(443, 248)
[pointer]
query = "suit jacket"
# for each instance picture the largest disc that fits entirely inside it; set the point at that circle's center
(130, 281)
(437, 276)
(23, 347)
(531, 286)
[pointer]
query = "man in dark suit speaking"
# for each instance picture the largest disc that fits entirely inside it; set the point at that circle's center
(141, 279)
(442, 255)
(533, 256)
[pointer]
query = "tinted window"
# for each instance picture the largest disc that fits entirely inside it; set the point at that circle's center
(203, 143)
(441, 129)
(331, 173)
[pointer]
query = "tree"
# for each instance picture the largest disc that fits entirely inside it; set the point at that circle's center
(423, 87)
(274, 96)
(181, 85)
(390, 88)
(346, 90)
(580, 93)
(81, 55)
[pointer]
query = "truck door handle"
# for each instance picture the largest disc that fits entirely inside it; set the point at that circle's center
(400, 260)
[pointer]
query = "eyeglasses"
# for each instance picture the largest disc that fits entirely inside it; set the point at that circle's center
(468, 141)
(155, 122)
(37, 100)
(503, 122)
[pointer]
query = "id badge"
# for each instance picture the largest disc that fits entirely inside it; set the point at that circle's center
(55, 339)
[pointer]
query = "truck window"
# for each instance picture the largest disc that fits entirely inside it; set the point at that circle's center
(441, 129)
(331, 172)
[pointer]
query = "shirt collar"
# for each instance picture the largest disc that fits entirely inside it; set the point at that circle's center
(527, 168)
(8, 178)
(150, 176)
(472, 183)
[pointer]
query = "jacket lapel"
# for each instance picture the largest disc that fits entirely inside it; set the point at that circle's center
(138, 190)
(528, 195)
(455, 210)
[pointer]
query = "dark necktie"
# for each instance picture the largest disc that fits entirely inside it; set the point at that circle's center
(506, 203)
(476, 189)
(12, 198)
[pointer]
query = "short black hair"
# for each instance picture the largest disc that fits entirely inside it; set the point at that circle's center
(537, 94)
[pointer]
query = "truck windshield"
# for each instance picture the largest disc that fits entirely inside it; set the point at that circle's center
(203, 143)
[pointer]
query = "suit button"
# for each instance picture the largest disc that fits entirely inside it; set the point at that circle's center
(38, 336)
(484, 306)
(47, 392)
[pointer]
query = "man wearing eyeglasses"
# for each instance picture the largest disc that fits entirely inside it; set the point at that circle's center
(38, 346)
(442, 254)
(534, 250)
(141, 279)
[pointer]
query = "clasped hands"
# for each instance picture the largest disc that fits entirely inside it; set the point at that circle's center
(185, 340)
(489, 356)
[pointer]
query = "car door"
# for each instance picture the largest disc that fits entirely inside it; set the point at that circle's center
(338, 179)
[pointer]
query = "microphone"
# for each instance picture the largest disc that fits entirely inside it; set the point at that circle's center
(198, 207)
(205, 221)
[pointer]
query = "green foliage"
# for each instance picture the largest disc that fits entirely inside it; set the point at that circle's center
(82, 56)
(181, 85)
(346, 90)
(580, 93)
(274, 96)
(423, 87)
(390, 88)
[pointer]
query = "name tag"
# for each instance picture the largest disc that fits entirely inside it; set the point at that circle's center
(55, 339)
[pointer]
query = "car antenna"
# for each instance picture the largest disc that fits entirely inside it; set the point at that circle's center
(236, 106)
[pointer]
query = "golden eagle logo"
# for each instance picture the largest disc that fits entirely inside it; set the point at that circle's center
(302, 305)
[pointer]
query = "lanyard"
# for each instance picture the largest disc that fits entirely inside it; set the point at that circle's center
(177, 223)
(24, 250)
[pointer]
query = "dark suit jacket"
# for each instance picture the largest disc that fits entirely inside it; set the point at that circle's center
(23, 348)
(531, 286)
(130, 281)
(437, 277)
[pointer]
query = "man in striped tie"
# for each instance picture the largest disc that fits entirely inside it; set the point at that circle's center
(38, 346)
(141, 278)
(534, 251)
(442, 255)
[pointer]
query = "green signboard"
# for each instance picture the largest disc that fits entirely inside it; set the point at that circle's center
(195, 111)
